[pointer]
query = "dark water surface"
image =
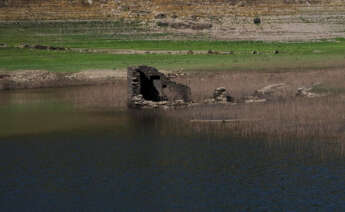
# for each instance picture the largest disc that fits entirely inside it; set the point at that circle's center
(59, 152)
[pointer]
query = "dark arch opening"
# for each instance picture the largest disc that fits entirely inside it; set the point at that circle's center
(147, 88)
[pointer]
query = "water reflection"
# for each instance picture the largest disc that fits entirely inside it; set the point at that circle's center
(57, 155)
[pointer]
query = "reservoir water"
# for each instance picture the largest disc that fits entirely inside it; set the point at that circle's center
(80, 149)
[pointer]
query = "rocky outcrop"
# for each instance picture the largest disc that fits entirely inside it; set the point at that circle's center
(147, 87)
(271, 91)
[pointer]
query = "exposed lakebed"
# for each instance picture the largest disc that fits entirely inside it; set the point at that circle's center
(77, 149)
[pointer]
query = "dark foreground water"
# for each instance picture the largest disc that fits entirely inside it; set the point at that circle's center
(60, 151)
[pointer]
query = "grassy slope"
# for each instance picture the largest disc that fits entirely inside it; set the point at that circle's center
(16, 59)
(114, 35)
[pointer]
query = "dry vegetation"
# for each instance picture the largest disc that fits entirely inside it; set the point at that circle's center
(289, 117)
(304, 119)
(286, 118)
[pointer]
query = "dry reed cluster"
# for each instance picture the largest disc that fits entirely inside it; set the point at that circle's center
(289, 117)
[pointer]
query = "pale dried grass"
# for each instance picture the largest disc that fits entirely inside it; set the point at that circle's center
(289, 118)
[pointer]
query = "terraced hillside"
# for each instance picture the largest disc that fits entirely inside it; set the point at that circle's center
(218, 19)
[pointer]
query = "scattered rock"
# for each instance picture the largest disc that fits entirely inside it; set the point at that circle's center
(194, 17)
(3, 45)
(175, 74)
(220, 96)
(270, 91)
(138, 101)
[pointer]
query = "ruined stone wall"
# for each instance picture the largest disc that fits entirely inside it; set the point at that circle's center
(148, 86)
(148, 9)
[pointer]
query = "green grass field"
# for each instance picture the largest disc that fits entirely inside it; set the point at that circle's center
(26, 59)
(120, 35)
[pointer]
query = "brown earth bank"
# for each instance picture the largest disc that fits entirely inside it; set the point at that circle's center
(218, 19)
(45, 79)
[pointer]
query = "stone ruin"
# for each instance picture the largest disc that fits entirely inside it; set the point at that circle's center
(222, 95)
(149, 88)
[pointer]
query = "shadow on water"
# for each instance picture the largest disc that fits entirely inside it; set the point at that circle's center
(58, 156)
